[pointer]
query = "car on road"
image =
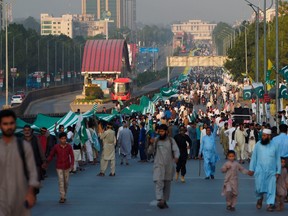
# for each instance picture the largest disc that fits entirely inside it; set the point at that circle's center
(22, 93)
(16, 99)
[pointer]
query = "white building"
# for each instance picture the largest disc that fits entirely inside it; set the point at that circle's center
(199, 30)
(57, 25)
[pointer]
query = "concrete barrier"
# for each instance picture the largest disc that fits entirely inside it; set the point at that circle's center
(42, 93)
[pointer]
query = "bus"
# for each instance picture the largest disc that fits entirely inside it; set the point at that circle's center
(121, 89)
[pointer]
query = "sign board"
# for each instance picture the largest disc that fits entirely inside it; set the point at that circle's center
(13, 72)
(38, 79)
(196, 61)
(148, 50)
(57, 78)
(266, 98)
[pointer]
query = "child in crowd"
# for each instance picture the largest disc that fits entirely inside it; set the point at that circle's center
(230, 188)
(64, 164)
(281, 187)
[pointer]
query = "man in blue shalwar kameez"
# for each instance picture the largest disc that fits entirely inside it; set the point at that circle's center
(265, 165)
(208, 151)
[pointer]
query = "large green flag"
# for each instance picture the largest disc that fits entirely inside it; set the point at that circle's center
(283, 93)
(247, 92)
(258, 89)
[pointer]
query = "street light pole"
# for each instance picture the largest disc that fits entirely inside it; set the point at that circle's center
(277, 56)
(7, 64)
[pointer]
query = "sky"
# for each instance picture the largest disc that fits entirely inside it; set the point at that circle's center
(148, 11)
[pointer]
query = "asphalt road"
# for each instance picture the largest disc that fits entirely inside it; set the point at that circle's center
(61, 103)
(131, 192)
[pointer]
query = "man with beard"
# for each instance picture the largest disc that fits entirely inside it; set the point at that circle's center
(182, 139)
(265, 165)
(37, 150)
(166, 153)
(18, 178)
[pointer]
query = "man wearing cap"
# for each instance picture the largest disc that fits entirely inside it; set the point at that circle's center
(265, 165)
(166, 153)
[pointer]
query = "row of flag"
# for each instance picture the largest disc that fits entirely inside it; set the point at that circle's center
(258, 90)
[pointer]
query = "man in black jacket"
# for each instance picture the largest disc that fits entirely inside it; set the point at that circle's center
(182, 139)
(135, 129)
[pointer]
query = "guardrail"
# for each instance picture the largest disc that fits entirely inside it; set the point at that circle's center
(42, 93)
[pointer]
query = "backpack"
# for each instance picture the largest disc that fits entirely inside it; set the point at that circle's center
(23, 158)
(171, 143)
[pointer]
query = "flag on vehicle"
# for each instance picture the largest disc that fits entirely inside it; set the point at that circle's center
(247, 92)
(258, 89)
(283, 93)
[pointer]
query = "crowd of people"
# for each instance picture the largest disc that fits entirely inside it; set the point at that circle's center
(183, 127)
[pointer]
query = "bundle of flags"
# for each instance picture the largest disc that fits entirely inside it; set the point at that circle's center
(256, 88)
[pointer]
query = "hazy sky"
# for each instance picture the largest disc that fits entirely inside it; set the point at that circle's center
(148, 11)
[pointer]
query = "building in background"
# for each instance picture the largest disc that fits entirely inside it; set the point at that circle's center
(197, 29)
(57, 25)
(129, 14)
(100, 7)
(88, 26)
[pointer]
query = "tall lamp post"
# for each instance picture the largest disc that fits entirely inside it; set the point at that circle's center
(14, 74)
(6, 53)
(277, 55)
(256, 9)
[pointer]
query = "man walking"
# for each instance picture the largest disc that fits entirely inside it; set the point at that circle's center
(240, 136)
(136, 132)
(265, 165)
(125, 142)
(108, 154)
(18, 178)
(208, 150)
(166, 154)
(182, 139)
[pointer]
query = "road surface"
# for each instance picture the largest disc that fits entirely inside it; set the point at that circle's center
(131, 192)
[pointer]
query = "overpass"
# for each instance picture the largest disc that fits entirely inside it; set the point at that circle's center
(194, 61)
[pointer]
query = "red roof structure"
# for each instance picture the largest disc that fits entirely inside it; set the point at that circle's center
(122, 80)
(105, 57)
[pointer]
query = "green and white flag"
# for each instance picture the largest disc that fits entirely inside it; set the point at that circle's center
(283, 93)
(258, 89)
(284, 72)
(95, 108)
(247, 92)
